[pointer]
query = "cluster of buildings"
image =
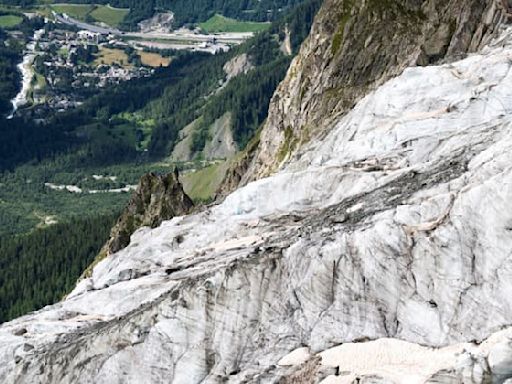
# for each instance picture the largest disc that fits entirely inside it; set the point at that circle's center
(68, 67)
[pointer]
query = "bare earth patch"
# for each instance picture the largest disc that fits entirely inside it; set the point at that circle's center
(154, 59)
(111, 56)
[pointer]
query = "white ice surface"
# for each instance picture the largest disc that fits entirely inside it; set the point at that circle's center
(433, 268)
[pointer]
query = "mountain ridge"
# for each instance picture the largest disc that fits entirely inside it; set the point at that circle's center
(342, 61)
(395, 223)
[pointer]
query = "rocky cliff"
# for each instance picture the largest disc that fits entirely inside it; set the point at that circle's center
(156, 199)
(354, 47)
(380, 253)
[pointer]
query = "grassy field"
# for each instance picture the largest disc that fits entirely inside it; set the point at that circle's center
(143, 126)
(219, 23)
(100, 13)
(112, 56)
(201, 185)
(10, 21)
(77, 11)
(154, 59)
(109, 15)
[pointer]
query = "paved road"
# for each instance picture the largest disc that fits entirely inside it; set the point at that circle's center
(181, 35)
(228, 38)
(89, 27)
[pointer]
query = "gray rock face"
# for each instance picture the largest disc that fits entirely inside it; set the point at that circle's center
(161, 22)
(156, 199)
(222, 144)
(238, 65)
(354, 47)
(382, 253)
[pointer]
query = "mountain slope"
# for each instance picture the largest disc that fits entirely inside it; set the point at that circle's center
(396, 224)
(353, 48)
(108, 136)
(198, 11)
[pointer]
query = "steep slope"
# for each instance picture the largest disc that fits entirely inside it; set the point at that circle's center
(397, 224)
(378, 254)
(157, 198)
(355, 46)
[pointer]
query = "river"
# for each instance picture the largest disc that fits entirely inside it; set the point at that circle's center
(27, 73)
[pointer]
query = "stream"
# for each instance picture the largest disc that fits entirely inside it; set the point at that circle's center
(27, 73)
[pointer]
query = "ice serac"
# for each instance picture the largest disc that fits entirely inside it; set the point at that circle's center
(354, 47)
(381, 253)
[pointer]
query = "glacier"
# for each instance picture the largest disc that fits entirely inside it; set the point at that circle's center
(386, 244)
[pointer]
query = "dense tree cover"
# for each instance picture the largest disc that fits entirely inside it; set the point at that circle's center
(83, 128)
(97, 138)
(10, 56)
(182, 101)
(247, 96)
(39, 268)
(22, 3)
(298, 22)
(187, 11)
(23, 140)
(174, 97)
(25, 200)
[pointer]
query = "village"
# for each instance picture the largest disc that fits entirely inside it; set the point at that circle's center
(68, 65)
(68, 60)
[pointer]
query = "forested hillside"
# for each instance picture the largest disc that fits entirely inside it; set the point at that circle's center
(246, 97)
(10, 56)
(173, 98)
(50, 236)
(199, 10)
(9, 77)
(23, 3)
(41, 267)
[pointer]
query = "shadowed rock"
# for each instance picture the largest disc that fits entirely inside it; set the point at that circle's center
(157, 198)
